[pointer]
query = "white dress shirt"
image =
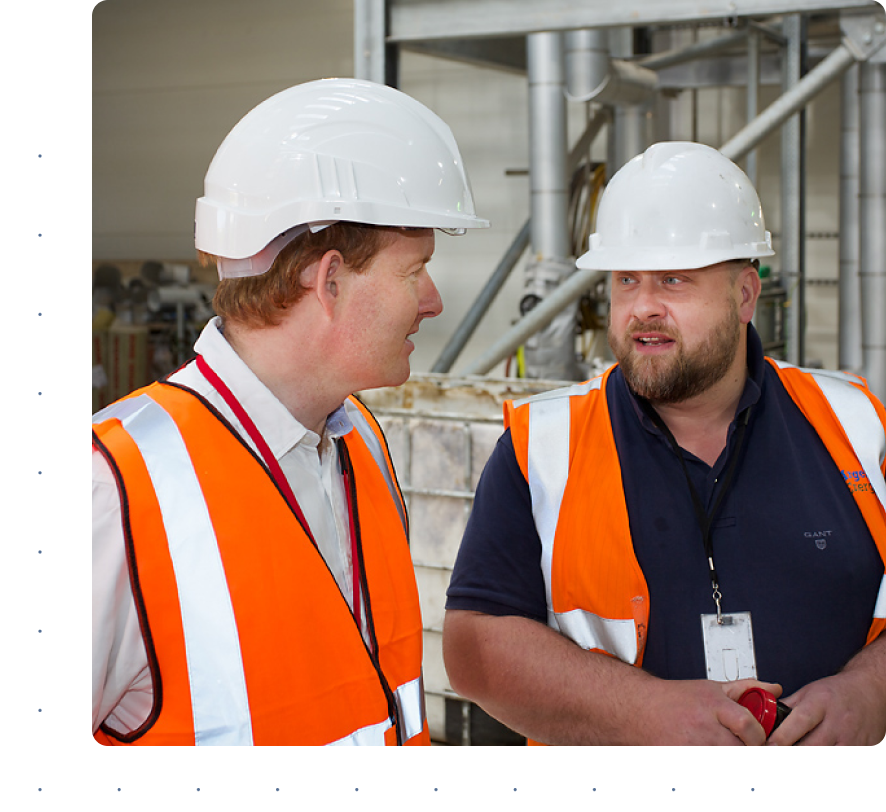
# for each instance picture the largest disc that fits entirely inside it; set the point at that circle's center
(122, 691)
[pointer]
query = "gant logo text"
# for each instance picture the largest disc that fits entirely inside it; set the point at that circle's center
(820, 537)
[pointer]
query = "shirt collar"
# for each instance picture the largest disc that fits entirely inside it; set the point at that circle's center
(338, 424)
(280, 430)
(756, 366)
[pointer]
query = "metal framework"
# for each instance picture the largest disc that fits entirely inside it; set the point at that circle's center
(523, 35)
(416, 20)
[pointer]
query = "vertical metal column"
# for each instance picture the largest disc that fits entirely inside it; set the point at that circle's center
(680, 110)
(547, 145)
(872, 222)
(629, 132)
(792, 193)
(369, 40)
(551, 352)
(753, 96)
(850, 350)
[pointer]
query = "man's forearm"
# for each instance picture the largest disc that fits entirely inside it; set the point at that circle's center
(872, 660)
(869, 665)
(533, 679)
(544, 686)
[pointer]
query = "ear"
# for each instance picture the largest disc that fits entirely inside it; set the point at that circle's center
(749, 287)
(330, 270)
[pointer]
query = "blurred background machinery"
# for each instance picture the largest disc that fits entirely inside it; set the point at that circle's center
(143, 327)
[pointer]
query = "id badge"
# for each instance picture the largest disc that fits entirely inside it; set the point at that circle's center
(729, 647)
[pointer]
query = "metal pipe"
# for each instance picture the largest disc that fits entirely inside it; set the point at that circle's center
(547, 145)
(674, 113)
(591, 75)
(586, 53)
(849, 349)
(788, 103)
(763, 312)
(535, 319)
(600, 119)
(481, 304)
(697, 50)
(500, 275)
(550, 353)
(753, 96)
(872, 223)
(369, 40)
(629, 125)
(792, 209)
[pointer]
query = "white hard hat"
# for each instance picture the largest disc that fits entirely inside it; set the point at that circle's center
(326, 151)
(679, 205)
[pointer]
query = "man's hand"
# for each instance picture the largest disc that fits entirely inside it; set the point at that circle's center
(704, 712)
(843, 709)
(847, 708)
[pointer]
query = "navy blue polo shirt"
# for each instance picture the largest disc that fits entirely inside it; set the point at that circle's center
(789, 543)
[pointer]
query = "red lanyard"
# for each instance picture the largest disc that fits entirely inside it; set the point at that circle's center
(282, 482)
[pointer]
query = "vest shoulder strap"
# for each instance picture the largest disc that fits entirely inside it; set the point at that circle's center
(861, 418)
(851, 402)
(370, 431)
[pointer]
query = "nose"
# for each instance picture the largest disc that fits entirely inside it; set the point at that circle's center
(430, 302)
(647, 304)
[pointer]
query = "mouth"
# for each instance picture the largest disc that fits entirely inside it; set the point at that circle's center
(652, 342)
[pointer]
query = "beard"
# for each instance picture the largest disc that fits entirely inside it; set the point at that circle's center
(682, 374)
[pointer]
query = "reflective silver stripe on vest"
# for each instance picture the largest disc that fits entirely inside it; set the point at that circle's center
(370, 736)
(548, 470)
(378, 453)
(617, 637)
(215, 665)
(862, 425)
(410, 699)
(410, 696)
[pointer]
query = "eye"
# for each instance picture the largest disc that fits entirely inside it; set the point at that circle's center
(419, 268)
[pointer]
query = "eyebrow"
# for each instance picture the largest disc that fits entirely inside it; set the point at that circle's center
(422, 260)
(418, 262)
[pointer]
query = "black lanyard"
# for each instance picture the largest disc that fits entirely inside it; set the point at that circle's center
(705, 520)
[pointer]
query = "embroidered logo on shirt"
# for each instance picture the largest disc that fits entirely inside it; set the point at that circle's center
(857, 481)
(820, 537)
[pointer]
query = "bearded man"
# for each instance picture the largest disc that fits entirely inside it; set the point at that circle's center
(697, 521)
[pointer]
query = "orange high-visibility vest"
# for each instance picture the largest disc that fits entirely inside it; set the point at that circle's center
(248, 636)
(596, 592)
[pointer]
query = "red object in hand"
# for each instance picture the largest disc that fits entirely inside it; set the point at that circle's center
(767, 710)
